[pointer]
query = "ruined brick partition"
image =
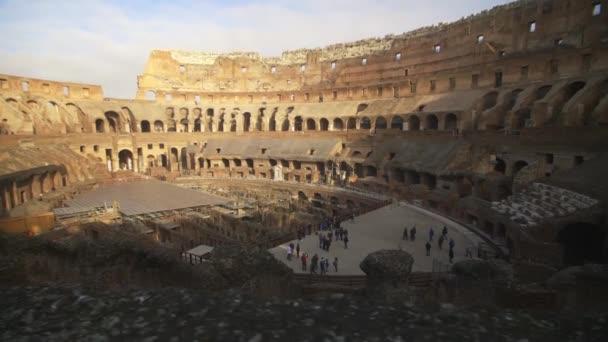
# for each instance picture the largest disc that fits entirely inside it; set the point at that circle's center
(455, 116)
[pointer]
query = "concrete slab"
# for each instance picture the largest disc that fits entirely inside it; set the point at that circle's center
(383, 229)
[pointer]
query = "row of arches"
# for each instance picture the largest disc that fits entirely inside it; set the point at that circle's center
(411, 122)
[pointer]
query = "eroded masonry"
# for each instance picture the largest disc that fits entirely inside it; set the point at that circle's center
(499, 121)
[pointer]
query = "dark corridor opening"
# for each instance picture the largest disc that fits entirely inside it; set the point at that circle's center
(582, 242)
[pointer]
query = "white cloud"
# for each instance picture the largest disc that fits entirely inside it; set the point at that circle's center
(108, 43)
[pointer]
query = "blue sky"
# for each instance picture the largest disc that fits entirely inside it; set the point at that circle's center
(108, 42)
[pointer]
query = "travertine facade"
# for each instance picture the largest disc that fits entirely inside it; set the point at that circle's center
(457, 115)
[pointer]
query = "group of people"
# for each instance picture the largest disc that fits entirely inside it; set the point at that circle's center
(322, 264)
(411, 236)
(325, 239)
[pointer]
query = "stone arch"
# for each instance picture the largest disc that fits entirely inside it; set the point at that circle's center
(145, 126)
(518, 166)
(397, 122)
(450, 122)
(541, 92)
(171, 126)
(125, 159)
(413, 123)
(247, 122)
(114, 121)
(365, 123)
(150, 161)
(338, 124)
(285, 125)
(302, 196)
(100, 126)
(521, 117)
(489, 100)
(311, 124)
(431, 122)
(380, 123)
(298, 123)
(209, 120)
(159, 126)
(323, 124)
(351, 123)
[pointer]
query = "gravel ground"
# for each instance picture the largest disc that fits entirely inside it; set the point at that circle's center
(171, 314)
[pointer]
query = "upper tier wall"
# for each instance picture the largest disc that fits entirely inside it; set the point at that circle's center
(483, 44)
(59, 90)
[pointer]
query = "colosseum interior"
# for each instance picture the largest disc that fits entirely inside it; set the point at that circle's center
(497, 122)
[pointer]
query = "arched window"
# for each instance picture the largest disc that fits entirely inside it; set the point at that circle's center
(324, 124)
(99, 126)
(397, 122)
(451, 122)
(431, 122)
(145, 126)
(338, 124)
(413, 123)
(365, 123)
(311, 125)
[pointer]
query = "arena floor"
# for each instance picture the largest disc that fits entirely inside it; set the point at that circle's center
(145, 197)
(383, 229)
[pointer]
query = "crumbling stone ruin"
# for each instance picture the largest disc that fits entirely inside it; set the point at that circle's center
(498, 121)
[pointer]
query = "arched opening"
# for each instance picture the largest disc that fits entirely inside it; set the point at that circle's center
(500, 166)
(566, 94)
(397, 122)
(520, 164)
(184, 123)
(174, 159)
(171, 127)
(298, 123)
(521, 118)
(324, 124)
(451, 122)
(100, 126)
(351, 123)
(113, 121)
(285, 126)
(582, 243)
(163, 161)
(413, 123)
(432, 123)
(209, 126)
(145, 126)
(489, 100)
(365, 123)
(125, 160)
(150, 161)
(311, 125)
(198, 124)
(381, 123)
(159, 126)
(338, 124)
(302, 196)
(184, 158)
(541, 92)
(371, 171)
(246, 122)
(150, 95)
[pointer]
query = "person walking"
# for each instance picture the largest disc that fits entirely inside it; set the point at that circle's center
(452, 243)
(346, 242)
(405, 234)
(304, 259)
(413, 233)
(289, 253)
(431, 234)
(428, 248)
(444, 232)
(298, 249)
(336, 264)
(313, 264)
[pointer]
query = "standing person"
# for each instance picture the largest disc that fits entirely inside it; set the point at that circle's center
(405, 233)
(451, 255)
(440, 241)
(327, 265)
(313, 264)
(444, 231)
(322, 265)
(304, 257)
(336, 264)
(292, 246)
(452, 243)
(428, 248)
(289, 253)
(298, 249)
(431, 234)
(346, 242)
(413, 233)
